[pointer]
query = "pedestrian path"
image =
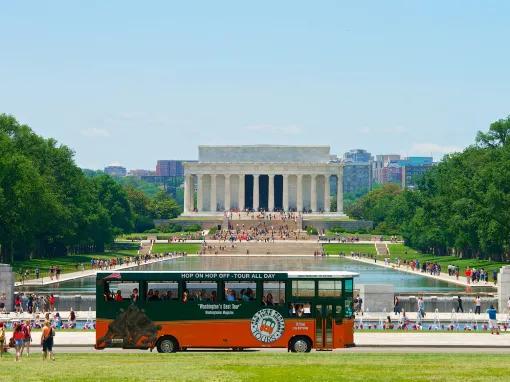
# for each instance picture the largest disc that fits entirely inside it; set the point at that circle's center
(90, 272)
(364, 339)
(443, 276)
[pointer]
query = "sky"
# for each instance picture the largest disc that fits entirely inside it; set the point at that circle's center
(131, 82)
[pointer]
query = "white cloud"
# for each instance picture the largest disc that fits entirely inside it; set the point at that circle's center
(94, 132)
(280, 130)
(433, 149)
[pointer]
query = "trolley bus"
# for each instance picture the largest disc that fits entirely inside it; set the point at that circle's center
(176, 310)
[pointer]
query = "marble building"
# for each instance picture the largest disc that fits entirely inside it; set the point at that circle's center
(262, 177)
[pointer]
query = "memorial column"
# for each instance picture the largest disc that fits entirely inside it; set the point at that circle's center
(227, 192)
(285, 201)
(241, 192)
(200, 193)
(256, 192)
(270, 200)
(313, 192)
(299, 193)
(187, 184)
(213, 193)
(340, 193)
(327, 191)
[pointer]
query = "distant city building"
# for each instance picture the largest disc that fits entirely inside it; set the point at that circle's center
(402, 171)
(170, 167)
(357, 177)
(357, 156)
(378, 165)
(115, 170)
(138, 173)
(413, 168)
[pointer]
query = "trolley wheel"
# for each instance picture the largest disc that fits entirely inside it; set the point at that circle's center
(167, 344)
(300, 345)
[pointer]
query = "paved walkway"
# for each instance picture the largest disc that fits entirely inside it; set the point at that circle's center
(369, 339)
(443, 277)
(89, 272)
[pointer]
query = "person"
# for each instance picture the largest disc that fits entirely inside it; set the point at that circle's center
(459, 304)
(19, 338)
(478, 304)
(47, 341)
(2, 339)
(28, 337)
(421, 308)
(493, 322)
(51, 300)
(231, 295)
(508, 306)
(72, 319)
(134, 295)
(185, 296)
(396, 306)
(269, 300)
(118, 296)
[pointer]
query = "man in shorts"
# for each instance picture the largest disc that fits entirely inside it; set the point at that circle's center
(47, 341)
(493, 322)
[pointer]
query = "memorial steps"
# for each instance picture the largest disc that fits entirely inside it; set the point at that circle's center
(261, 248)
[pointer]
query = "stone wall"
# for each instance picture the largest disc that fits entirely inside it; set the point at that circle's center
(445, 304)
(504, 288)
(377, 297)
(348, 225)
(7, 286)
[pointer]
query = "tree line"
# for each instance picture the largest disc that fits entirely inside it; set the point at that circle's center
(49, 207)
(461, 206)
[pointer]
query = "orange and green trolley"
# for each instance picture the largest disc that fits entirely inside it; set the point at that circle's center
(175, 310)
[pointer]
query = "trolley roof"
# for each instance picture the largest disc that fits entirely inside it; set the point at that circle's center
(227, 274)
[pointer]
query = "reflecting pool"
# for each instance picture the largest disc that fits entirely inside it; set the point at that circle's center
(369, 274)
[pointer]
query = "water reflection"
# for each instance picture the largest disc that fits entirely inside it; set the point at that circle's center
(369, 274)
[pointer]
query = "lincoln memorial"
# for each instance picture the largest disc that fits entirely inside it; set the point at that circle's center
(262, 177)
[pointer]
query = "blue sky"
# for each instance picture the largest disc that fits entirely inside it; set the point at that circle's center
(131, 82)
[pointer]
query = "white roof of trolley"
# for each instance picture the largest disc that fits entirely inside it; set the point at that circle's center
(291, 274)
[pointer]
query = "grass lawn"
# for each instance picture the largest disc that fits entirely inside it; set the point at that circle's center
(399, 250)
(66, 263)
(258, 366)
(347, 248)
(176, 247)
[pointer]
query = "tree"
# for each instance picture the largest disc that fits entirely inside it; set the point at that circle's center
(498, 134)
(164, 207)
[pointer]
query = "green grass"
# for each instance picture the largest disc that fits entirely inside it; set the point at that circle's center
(260, 366)
(176, 247)
(66, 263)
(405, 253)
(399, 250)
(347, 248)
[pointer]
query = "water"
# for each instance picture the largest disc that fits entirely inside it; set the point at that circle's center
(369, 274)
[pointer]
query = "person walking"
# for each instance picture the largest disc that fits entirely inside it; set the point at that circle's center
(47, 341)
(493, 322)
(27, 330)
(19, 338)
(459, 304)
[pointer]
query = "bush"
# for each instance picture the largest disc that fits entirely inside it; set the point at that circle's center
(194, 228)
(311, 230)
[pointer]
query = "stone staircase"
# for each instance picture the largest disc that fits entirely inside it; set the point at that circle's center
(247, 224)
(382, 249)
(261, 248)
